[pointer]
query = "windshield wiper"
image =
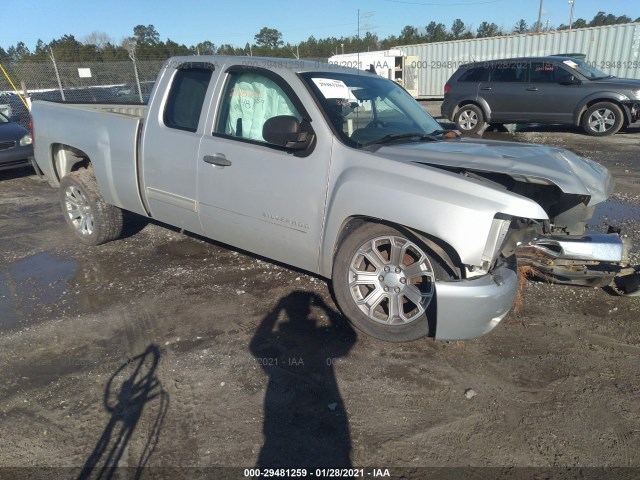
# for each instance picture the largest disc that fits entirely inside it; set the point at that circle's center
(399, 136)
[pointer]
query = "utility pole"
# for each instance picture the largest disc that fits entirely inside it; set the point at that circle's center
(571, 14)
(539, 17)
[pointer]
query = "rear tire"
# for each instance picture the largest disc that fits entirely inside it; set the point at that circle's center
(384, 283)
(602, 119)
(92, 220)
(469, 119)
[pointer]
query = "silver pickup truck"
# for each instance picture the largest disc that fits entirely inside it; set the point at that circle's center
(338, 172)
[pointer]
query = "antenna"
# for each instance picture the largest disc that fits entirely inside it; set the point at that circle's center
(358, 43)
(366, 17)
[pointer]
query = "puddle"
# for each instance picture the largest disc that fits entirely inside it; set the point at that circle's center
(613, 212)
(184, 248)
(34, 288)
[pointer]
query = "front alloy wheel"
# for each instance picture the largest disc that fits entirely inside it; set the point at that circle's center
(391, 280)
(384, 281)
(601, 119)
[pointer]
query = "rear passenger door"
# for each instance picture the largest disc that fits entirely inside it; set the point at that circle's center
(504, 91)
(171, 142)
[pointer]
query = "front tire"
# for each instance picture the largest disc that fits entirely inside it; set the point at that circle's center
(602, 119)
(469, 119)
(384, 283)
(92, 220)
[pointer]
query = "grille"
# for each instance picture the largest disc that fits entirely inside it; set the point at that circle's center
(7, 145)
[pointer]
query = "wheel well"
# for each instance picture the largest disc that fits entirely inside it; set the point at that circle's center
(609, 100)
(67, 159)
(444, 251)
(469, 102)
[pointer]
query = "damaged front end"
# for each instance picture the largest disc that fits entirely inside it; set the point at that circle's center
(595, 260)
(561, 249)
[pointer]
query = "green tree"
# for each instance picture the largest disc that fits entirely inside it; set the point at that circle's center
(204, 48)
(436, 32)
(269, 38)
(146, 35)
(18, 53)
(580, 23)
(521, 26)
(409, 35)
(458, 29)
(487, 29)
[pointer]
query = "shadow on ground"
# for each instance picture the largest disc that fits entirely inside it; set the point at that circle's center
(305, 421)
(131, 389)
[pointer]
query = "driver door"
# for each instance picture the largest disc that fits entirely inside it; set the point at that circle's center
(260, 197)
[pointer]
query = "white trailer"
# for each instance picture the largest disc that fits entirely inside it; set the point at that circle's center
(391, 64)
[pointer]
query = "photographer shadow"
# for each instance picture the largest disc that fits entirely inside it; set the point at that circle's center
(133, 389)
(305, 421)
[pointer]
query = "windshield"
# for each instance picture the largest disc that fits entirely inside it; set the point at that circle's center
(365, 109)
(585, 70)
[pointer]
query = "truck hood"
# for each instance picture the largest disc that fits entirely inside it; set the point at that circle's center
(523, 162)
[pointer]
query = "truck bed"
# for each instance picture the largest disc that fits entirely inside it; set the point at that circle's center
(105, 133)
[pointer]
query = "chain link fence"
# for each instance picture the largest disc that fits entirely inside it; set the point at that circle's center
(127, 82)
(83, 82)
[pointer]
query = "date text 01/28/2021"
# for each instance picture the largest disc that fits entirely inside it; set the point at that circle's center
(317, 473)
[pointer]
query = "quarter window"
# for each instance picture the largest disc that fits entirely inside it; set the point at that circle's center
(477, 74)
(186, 97)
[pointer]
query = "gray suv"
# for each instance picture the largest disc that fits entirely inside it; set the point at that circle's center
(548, 90)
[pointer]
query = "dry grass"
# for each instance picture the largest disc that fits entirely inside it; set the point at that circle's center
(525, 273)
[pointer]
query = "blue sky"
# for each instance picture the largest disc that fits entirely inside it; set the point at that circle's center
(236, 22)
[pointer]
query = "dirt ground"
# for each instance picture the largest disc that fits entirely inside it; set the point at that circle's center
(166, 351)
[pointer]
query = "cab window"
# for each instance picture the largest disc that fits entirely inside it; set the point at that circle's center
(186, 97)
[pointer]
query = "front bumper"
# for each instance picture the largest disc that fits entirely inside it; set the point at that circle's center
(598, 247)
(16, 157)
(471, 308)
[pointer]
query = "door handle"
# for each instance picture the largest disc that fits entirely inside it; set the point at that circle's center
(218, 159)
(485, 88)
(532, 89)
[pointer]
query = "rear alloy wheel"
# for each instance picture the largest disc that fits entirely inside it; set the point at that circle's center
(384, 282)
(92, 219)
(469, 119)
(602, 119)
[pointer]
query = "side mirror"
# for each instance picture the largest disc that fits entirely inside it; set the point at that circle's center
(569, 80)
(285, 131)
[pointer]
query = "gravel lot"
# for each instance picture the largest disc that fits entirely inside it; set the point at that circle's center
(165, 350)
